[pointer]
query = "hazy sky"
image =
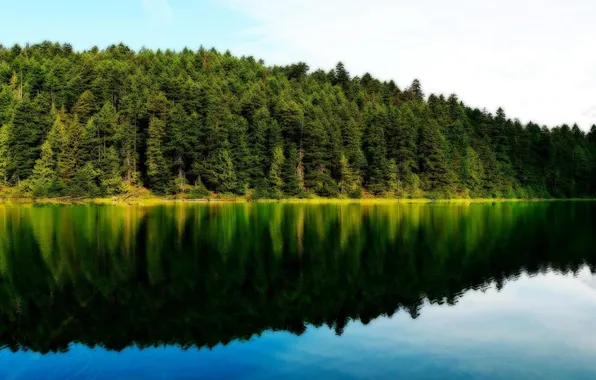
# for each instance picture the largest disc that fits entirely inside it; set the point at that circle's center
(535, 58)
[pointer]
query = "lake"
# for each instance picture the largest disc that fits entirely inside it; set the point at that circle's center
(294, 291)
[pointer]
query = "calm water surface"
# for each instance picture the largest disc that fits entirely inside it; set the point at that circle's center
(294, 291)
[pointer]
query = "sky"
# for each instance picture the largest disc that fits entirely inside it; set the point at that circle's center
(534, 58)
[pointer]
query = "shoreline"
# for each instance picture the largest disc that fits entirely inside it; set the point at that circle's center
(155, 200)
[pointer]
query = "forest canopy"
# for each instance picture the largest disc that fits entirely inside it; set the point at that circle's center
(105, 122)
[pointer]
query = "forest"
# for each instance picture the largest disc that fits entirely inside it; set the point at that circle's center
(198, 123)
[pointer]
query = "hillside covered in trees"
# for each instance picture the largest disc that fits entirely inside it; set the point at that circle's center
(104, 122)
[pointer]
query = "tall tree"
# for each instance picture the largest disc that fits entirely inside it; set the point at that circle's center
(44, 173)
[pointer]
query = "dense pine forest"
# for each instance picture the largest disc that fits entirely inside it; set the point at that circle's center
(195, 123)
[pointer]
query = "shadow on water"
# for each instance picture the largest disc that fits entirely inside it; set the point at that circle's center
(201, 275)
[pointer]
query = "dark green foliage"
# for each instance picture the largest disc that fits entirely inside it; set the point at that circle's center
(84, 182)
(24, 141)
(436, 173)
(167, 120)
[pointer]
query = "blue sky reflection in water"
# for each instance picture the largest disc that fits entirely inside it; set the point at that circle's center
(538, 327)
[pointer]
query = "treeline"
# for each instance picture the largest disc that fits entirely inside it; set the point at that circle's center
(103, 122)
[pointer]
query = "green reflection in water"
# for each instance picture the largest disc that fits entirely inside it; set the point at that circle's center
(205, 274)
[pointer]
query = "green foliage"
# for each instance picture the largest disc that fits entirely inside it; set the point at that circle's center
(348, 182)
(199, 190)
(157, 171)
(146, 118)
(276, 181)
(221, 172)
(109, 175)
(4, 158)
(84, 182)
(43, 178)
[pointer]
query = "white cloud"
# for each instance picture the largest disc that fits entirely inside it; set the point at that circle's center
(591, 113)
(160, 12)
(533, 57)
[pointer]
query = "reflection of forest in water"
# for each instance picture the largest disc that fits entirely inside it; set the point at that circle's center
(207, 274)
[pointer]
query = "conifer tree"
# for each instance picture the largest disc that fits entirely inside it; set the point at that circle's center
(376, 121)
(436, 174)
(348, 182)
(221, 172)
(85, 106)
(44, 173)
(4, 158)
(24, 137)
(276, 181)
(157, 170)
(196, 122)
(293, 183)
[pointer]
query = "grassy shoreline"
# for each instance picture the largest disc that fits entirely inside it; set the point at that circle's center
(157, 200)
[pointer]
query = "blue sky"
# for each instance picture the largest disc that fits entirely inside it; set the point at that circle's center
(534, 58)
(151, 23)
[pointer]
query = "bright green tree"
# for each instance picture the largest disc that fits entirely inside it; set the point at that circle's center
(43, 177)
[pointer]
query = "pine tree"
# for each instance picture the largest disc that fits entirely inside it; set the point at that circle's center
(221, 172)
(293, 182)
(84, 182)
(106, 122)
(6, 104)
(414, 92)
(240, 153)
(316, 145)
(43, 177)
(110, 174)
(403, 148)
(352, 141)
(472, 172)
(349, 181)
(157, 170)
(85, 106)
(258, 131)
(24, 135)
(4, 158)
(582, 170)
(436, 175)
(376, 121)
(276, 181)
(342, 77)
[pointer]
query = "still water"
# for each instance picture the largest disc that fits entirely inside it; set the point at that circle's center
(294, 291)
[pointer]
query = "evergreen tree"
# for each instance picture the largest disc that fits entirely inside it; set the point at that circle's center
(44, 173)
(376, 120)
(157, 170)
(275, 173)
(110, 175)
(221, 172)
(85, 106)
(436, 174)
(403, 149)
(194, 122)
(472, 172)
(4, 158)
(292, 172)
(349, 182)
(84, 182)
(24, 136)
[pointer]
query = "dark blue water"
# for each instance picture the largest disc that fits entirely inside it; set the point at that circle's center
(294, 292)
